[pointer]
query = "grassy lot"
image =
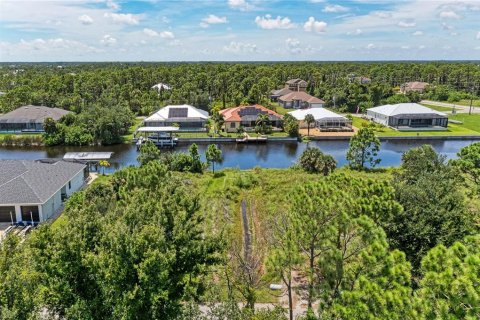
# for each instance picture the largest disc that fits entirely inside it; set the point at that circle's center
(465, 102)
(129, 136)
(438, 108)
(21, 139)
(470, 127)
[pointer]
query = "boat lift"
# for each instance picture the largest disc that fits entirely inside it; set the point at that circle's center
(160, 136)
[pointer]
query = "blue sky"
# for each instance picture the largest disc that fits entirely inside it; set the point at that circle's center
(238, 30)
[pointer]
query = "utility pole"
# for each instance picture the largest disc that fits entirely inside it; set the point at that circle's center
(471, 99)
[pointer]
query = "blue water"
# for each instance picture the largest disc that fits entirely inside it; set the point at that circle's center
(246, 156)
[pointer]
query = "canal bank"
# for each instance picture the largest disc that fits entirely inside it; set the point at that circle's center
(246, 156)
(386, 138)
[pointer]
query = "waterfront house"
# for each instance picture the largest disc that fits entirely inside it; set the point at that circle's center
(300, 100)
(291, 85)
(414, 86)
(324, 119)
(246, 117)
(29, 118)
(35, 190)
(187, 117)
(405, 116)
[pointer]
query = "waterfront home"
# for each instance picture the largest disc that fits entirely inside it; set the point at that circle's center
(35, 190)
(29, 118)
(291, 85)
(187, 117)
(414, 86)
(300, 100)
(406, 116)
(325, 120)
(246, 117)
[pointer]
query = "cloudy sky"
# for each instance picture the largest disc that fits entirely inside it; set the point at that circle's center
(232, 30)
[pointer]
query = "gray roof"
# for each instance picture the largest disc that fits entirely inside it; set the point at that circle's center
(89, 156)
(35, 114)
(34, 182)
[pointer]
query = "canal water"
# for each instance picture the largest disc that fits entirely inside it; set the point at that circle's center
(246, 156)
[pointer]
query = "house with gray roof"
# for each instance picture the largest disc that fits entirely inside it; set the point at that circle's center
(408, 116)
(32, 191)
(29, 118)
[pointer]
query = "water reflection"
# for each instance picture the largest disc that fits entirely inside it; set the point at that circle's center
(246, 156)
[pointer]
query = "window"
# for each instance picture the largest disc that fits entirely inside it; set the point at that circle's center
(232, 124)
(69, 184)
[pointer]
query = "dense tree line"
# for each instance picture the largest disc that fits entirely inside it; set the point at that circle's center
(150, 244)
(79, 86)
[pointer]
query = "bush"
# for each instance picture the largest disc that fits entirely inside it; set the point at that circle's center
(313, 160)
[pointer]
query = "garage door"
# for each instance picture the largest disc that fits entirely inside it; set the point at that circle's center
(5, 215)
(29, 212)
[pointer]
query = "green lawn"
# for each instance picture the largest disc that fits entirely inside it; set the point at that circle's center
(470, 127)
(441, 109)
(129, 136)
(465, 102)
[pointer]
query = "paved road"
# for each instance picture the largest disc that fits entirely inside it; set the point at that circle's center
(458, 108)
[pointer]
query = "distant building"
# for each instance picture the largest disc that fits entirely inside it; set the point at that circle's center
(247, 116)
(34, 190)
(414, 86)
(291, 85)
(408, 116)
(300, 100)
(29, 118)
(362, 80)
(186, 116)
(161, 86)
(324, 119)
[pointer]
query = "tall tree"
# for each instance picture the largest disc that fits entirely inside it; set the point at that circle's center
(213, 154)
(148, 152)
(309, 120)
(364, 148)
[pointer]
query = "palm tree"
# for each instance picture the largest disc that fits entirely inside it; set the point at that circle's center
(262, 121)
(309, 119)
(217, 121)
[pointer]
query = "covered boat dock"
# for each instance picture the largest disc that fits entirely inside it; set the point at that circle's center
(160, 136)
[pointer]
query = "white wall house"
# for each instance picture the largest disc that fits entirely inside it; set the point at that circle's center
(323, 118)
(186, 116)
(34, 190)
(407, 115)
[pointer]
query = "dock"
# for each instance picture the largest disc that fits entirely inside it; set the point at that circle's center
(162, 137)
(247, 139)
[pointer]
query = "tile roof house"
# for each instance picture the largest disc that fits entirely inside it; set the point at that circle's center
(35, 190)
(186, 116)
(403, 116)
(247, 116)
(300, 100)
(290, 86)
(29, 118)
(414, 86)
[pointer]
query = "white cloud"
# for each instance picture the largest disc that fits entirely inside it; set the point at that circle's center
(167, 35)
(381, 14)
(421, 47)
(237, 47)
(112, 5)
(478, 35)
(212, 19)
(370, 46)
(317, 1)
(449, 15)
(405, 47)
(446, 26)
(108, 40)
(335, 8)
(417, 33)
(85, 19)
(355, 33)
(477, 48)
(293, 45)
(150, 32)
(268, 22)
(406, 24)
(165, 19)
(126, 18)
(316, 26)
(240, 5)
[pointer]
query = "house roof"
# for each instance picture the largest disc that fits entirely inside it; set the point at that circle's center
(300, 95)
(161, 86)
(317, 113)
(404, 109)
(35, 114)
(415, 85)
(183, 112)
(297, 81)
(237, 113)
(281, 92)
(87, 156)
(34, 182)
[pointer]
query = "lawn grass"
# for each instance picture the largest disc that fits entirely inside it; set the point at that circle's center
(438, 108)
(470, 127)
(129, 136)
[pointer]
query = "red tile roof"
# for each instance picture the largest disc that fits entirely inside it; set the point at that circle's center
(233, 114)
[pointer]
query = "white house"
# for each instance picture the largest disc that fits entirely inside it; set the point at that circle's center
(323, 118)
(408, 115)
(35, 190)
(186, 116)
